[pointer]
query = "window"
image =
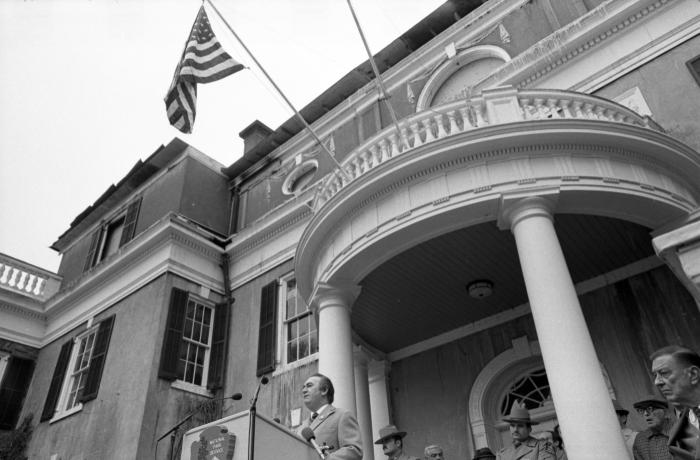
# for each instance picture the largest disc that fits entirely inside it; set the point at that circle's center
(15, 375)
(694, 67)
(112, 235)
(295, 325)
(193, 348)
(300, 326)
(78, 372)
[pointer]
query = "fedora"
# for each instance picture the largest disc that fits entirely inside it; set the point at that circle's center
(389, 431)
(651, 400)
(484, 452)
(519, 414)
(618, 407)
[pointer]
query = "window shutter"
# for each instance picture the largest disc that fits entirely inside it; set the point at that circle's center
(170, 354)
(14, 388)
(215, 379)
(59, 374)
(132, 214)
(90, 261)
(97, 361)
(268, 332)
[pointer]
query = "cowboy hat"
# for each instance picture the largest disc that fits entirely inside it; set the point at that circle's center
(389, 431)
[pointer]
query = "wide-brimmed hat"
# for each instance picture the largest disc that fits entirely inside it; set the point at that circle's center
(389, 431)
(651, 400)
(484, 452)
(618, 407)
(519, 414)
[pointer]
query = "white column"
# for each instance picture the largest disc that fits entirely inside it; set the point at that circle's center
(335, 357)
(584, 410)
(364, 416)
(379, 400)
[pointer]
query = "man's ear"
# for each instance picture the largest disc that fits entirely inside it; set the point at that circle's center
(694, 372)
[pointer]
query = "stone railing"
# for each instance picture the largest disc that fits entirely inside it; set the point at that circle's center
(26, 279)
(493, 107)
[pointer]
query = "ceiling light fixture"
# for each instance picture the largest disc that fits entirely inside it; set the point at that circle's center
(480, 289)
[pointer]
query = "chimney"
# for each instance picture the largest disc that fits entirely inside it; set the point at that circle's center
(253, 134)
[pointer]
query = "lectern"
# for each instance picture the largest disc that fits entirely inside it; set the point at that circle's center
(227, 439)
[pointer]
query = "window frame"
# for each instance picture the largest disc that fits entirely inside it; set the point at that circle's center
(60, 411)
(207, 356)
(282, 363)
(125, 218)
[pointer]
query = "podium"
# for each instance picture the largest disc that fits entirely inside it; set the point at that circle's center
(272, 440)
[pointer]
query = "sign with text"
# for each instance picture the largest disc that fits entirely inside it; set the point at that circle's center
(215, 443)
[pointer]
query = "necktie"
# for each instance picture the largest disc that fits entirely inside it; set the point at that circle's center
(313, 416)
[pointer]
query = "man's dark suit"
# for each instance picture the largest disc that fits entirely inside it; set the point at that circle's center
(677, 433)
(338, 429)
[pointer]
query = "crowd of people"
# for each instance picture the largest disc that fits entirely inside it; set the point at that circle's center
(672, 419)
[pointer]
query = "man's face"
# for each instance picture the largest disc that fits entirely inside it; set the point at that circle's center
(434, 453)
(654, 416)
(314, 398)
(520, 431)
(391, 446)
(672, 379)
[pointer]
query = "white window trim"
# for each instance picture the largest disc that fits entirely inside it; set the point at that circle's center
(281, 364)
(191, 387)
(59, 412)
(4, 359)
(104, 231)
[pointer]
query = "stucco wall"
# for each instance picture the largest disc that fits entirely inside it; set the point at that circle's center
(108, 426)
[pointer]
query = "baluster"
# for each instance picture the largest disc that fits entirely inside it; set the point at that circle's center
(540, 110)
(13, 277)
(553, 108)
(374, 155)
(526, 107)
(39, 287)
(466, 123)
(30, 283)
(452, 117)
(578, 113)
(439, 122)
(22, 279)
(429, 135)
(5, 271)
(599, 113)
(479, 115)
(588, 110)
(385, 149)
(394, 145)
(565, 110)
(368, 156)
(417, 142)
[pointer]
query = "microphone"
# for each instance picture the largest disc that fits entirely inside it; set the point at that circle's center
(310, 437)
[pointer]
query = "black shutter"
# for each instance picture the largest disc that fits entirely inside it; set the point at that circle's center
(132, 214)
(268, 330)
(218, 352)
(170, 354)
(18, 374)
(90, 261)
(97, 361)
(57, 381)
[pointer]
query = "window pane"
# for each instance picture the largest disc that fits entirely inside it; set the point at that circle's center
(292, 331)
(200, 314)
(303, 326)
(198, 375)
(292, 351)
(189, 372)
(303, 348)
(313, 346)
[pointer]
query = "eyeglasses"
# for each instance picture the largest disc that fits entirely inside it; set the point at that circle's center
(647, 410)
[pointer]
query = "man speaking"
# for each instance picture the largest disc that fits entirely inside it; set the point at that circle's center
(336, 431)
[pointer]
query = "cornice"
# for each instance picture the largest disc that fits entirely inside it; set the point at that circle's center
(571, 41)
(258, 235)
(23, 311)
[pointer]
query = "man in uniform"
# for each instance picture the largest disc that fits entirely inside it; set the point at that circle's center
(391, 440)
(336, 430)
(524, 447)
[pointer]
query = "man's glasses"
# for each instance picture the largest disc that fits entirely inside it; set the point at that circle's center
(647, 410)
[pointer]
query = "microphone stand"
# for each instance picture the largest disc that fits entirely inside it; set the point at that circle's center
(173, 431)
(251, 425)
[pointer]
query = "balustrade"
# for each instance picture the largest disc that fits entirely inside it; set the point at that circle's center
(463, 115)
(18, 277)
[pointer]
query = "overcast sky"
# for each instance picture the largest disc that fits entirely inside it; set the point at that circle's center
(82, 85)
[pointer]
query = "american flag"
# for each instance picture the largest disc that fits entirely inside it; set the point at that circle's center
(203, 61)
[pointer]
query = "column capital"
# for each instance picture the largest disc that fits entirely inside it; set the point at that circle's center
(327, 295)
(513, 207)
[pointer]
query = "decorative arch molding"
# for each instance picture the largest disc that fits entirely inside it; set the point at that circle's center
(452, 66)
(493, 380)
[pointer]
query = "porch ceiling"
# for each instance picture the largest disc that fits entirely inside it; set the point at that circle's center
(422, 292)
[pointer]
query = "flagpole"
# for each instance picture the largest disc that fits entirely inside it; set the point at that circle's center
(296, 112)
(383, 95)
